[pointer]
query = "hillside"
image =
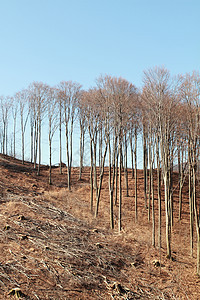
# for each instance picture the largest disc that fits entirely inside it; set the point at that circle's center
(51, 246)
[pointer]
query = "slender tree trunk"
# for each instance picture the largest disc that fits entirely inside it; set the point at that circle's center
(35, 143)
(167, 212)
(100, 148)
(60, 139)
(22, 147)
(80, 153)
(39, 148)
(145, 159)
(116, 177)
(81, 150)
(135, 175)
(50, 181)
(191, 199)
(68, 155)
(132, 154)
(14, 138)
(91, 176)
(171, 192)
(120, 186)
(150, 175)
(125, 165)
(22, 136)
(180, 175)
(197, 221)
(101, 180)
(111, 181)
(153, 209)
(159, 195)
(31, 121)
(6, 137)
(95, 164)
(11, 146)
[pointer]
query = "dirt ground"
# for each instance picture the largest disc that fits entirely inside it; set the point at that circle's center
(52, 246)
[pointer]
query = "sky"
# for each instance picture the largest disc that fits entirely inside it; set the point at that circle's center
(79, 40)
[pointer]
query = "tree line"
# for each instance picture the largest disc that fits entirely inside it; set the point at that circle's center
(165, 113)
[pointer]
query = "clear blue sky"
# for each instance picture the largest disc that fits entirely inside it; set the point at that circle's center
(54, 40)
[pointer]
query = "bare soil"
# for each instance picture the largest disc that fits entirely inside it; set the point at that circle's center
(52, 246)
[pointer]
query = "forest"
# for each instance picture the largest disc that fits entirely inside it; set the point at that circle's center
(164, 113)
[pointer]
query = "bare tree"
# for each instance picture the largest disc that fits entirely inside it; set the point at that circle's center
(5, 107)
(61, 111)
(105, 90)
(92, 115)
(83, 127)
(38, 98)
(70, 93)
(22, 98)
(145, 156)
(15, 110)
(122, 92)
(191, 95)
(52, 113)
(134, 128)
(161, 92)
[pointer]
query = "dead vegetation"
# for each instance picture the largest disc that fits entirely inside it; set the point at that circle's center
(52, 248)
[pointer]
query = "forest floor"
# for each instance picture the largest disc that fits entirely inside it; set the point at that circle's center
(52, 247)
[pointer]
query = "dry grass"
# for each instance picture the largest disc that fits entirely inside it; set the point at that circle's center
(52, 247)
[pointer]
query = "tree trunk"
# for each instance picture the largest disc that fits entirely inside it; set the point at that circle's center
(35, 143)
(95, 166)
(197, 221)
(31, 121)
(100, 148)
(50, 181)
(135, 175)
(125, 165)
(116, 177)
(180, 175)
(81, 149)
(132, 154)
(191, 199)
(22, 147)
(167, 214)
(7, 137)
(22, 137)
(39, 148)
(145, 159)
(150, 175)
(91, 176)
(68, 155)
(171, 192)
(153, 210)
(100, 180)
(60, 139)
(159, 194)
(14, 138)
(111, 185)
(120, 187)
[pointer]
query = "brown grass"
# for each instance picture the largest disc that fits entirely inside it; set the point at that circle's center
(52, 247)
